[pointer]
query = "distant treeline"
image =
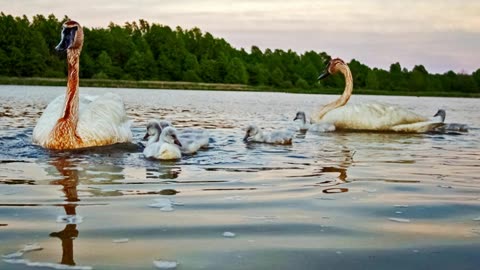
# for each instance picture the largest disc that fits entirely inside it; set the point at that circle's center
(144, 51)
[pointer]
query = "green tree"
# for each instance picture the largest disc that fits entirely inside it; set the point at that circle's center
(476, 78)
(372, 81)
(104, 63)
(143, 51)
(236, 72)
(302, 84)
(277, 77)
(258, 74)
(136, 67)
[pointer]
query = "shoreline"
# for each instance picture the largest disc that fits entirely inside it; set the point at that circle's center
(35, 81)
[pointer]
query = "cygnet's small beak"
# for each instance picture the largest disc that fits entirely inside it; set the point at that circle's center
(437, 114)
(296, 118)
(146, 136)
(177, 142)
(246, 138)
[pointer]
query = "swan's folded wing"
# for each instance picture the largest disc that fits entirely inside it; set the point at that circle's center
(279, 137)
(371, 116)
(192, 143)
(152, 150)
(105, 119)
(420, 127)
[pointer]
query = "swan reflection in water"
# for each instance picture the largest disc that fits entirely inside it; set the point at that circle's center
(69, 187)
(333, 162)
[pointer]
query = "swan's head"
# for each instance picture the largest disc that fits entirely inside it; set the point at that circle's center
(72, 37)
(251, 131)
(153, 129)
(333, 67)
(169, 135)
(300, 116)
(442, 114)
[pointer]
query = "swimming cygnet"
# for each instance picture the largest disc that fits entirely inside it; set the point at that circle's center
(306, 126)
(191, 139)
(254, 134)
(450, 126)
(162, 144)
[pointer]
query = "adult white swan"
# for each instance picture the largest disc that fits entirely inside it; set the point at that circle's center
(70, 121)
(369, 117)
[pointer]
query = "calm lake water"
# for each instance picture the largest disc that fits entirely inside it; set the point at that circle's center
(329, 201)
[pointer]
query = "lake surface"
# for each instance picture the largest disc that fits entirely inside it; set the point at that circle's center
(329, 201)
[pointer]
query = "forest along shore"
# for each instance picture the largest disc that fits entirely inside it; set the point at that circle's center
(150, 55)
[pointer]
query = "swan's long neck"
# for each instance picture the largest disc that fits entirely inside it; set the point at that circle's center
(64, 134)
(156, 137)
(343, 99)
(70, 112)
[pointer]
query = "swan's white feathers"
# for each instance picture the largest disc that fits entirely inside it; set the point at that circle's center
(101, 118)
(162, 151)
(191, 143)
(105, 117)
(254, 134)
(163, 147)
(306, 126)
(419, 127)
(192, 139)
(372, 116)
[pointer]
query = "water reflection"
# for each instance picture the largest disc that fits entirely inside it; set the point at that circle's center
(232, 185)
(162, 172)
(333, 161)
(69, 185)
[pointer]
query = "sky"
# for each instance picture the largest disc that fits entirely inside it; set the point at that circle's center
(440, 34)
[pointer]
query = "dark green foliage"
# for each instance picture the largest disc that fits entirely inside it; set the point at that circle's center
(144, 51)
(372, 81)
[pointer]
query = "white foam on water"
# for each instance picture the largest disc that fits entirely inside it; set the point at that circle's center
(70, 219)
(27, 248)
(228, 234)
(165, 205)
(476, 219)
(47, 264)
(370, 190)
(121, 240)
(398, 212)
(13, 255)
(31, 247)
(444, 186)
(401, 205)
(401, 220)
(165, 264)
(234, 198)
(326, 199)
(73, 168)
(178, 203)
(263, 218)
